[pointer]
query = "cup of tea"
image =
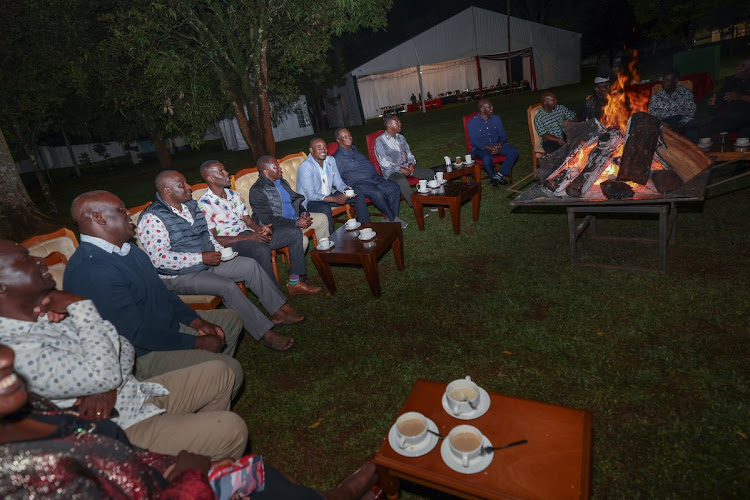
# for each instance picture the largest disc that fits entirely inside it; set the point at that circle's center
(743, 141)
(458, 160)
(462, 396)
(226, 252)
(447, 160)
(411, 428)
(422, 185)
(467, 158)
(324, 243)
(366, 232)
(349, 193)
(439, 176)
(433, 183)
(351, 223)
(465, 443)
(704, 141)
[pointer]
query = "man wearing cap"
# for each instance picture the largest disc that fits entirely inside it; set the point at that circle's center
(594, 105)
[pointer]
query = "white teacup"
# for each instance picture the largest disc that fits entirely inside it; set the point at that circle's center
(324, 243)
(468, 158)
(351, 223)
(465, 442)
(439, 176)
(703, 141)
(349, 193)
(411, 428)
(462, 396)
(422, 185)
(226, 252)
(447, 160)
(366, 232)
(433, 183)
(743, 141)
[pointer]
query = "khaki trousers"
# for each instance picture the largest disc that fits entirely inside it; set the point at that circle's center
(196, 417)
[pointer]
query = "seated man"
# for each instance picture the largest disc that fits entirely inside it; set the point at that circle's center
(675, 106)
(594, 105)
(229, 221)
(120, 280)
(274, 202)
(549, 122)
(358, 172)
(395, 158)
(68, 353)
(732, 105)
(319, 181)
(175, 234)
(487, 137)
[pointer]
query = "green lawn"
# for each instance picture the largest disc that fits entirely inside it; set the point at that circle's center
(660, 360)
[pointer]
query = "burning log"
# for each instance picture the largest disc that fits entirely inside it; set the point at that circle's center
(681, 155)
(616, 190)
(599, 159)
(571, 158)
(640, 143)
(576, 133)
(666, 180)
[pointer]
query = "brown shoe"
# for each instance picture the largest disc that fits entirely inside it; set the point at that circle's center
(303, 288)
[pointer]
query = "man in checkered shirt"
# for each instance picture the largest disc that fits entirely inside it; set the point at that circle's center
(549, 122)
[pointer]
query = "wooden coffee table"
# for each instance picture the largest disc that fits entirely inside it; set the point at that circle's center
(451, 195)
(349, 249)
(462, 172)
(555, 463)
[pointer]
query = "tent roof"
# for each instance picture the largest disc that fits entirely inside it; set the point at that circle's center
(472, 32)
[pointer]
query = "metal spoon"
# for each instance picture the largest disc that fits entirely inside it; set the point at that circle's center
(490, 449)
(437, 434)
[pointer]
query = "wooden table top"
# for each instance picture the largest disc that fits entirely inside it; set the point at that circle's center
(347, 242)
(450, 190)
(727, 153)
(555, 463)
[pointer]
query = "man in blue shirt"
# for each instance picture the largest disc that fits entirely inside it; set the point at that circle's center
(358, 172)
(487, 137)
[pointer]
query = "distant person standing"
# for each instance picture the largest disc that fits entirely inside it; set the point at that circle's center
(487, 136)
(413, 100)
(429, 95)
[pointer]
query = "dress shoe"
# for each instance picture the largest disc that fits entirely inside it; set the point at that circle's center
(303, 288)
(494, 183)
(502, 180)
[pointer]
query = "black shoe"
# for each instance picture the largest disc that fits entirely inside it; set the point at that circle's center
(494, 183)
(502, 180)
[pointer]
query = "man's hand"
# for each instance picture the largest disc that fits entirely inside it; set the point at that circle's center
(736, 96)
(97, 406)
(210, 343)
(711, 101)
(257, 236)
(211, 258)
(203, 327)
(339, 198)
(304, 221)
(267, 230)
(186, 460)
(55, 305)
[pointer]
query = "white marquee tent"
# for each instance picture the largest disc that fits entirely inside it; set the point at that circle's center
(446, 57)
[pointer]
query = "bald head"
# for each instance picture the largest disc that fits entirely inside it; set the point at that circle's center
(206, 166)
(164, 178)
(265, 162)
(103, 215)
(24, 281)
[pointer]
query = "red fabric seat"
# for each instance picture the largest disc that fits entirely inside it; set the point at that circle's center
(496, 159)
(413, 181)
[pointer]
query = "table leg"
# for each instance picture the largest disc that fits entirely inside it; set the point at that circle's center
(455, 208)
(418, 211)
(398, 251)
(441, 211)
(388, 483)
(477, 172)
(324, 270)
(475, 201)
(370, 265)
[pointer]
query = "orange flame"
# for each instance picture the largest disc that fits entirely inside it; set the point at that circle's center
(622, 104)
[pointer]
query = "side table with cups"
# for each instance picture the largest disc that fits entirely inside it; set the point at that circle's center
(495, 446)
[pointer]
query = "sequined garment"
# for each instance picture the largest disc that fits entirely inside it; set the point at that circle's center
(88, 466)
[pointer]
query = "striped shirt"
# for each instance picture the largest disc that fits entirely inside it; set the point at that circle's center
(551, 122)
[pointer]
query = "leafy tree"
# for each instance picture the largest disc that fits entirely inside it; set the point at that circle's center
(257, 50)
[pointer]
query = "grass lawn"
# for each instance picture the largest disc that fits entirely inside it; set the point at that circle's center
(660, 360)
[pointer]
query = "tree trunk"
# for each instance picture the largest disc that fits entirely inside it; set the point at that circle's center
(19, 218)
(76, 168)
(162, 152)
(266, 126)
(43, 183)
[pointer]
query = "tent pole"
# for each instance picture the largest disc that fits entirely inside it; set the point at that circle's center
(479, 76)
(421, 90)
(510, 71)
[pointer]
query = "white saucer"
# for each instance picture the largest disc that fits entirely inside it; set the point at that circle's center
(469, 163)
(426, 191)
(704, 145)
(476, 464)
(355, 227)
(234, 254)
(361, 237)
(484, 405)
(415, 450)
(324, 249)
(741, 145)
(443, 182)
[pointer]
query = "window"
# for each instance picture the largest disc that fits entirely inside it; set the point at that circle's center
(302, 118)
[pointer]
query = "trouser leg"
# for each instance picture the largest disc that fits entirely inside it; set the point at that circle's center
(320, 225)
(322, 207)
(487, 163)
(403, 185)
(360, 205)
(511, 156)
(293, 238)
(258, 251)
(196, 416)
(381, 199)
